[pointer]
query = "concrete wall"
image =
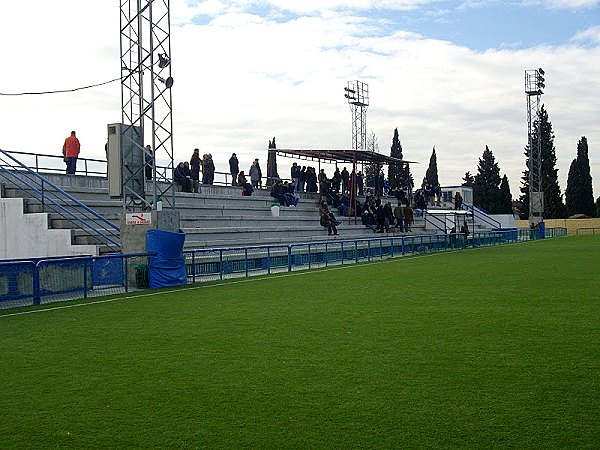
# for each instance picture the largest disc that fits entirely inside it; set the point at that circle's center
(28, 236)
(570, 224)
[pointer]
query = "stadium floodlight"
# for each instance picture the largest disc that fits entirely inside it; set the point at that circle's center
(163, 60)
(168, 82)
(541, 71)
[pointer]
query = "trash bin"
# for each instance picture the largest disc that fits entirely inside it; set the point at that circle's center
(141, 276)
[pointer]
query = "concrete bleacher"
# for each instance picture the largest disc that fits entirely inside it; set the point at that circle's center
(219, 216)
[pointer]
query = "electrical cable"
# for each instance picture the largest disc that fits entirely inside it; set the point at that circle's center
(61, 91)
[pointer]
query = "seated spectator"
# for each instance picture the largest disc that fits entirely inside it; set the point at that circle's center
(368, 215)
(183, 176)
(327, 219)
(247, 188)
(290, 198)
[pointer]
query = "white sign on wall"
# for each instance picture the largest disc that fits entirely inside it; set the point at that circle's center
(138, 218)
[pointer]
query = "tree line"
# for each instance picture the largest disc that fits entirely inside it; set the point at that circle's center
(491, 191)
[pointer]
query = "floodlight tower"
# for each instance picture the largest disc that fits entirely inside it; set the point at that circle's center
(534, 83)
(146, 102)
(357, 94)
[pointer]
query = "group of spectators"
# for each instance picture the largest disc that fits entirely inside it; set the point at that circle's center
(283, 191)
(381, 217)
(187, 174)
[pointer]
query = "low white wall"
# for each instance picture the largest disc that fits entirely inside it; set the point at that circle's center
(27, 235)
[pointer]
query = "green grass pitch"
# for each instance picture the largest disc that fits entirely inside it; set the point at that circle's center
(488, 348)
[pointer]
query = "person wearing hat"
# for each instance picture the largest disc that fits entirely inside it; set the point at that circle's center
(234, 169)
(255, 174)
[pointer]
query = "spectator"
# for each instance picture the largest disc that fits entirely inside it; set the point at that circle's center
(256, 175)
(437, 190)
(302, 179)
(408, 218)
(295, 173)
(327, 219)
(322, 177)
(195, 169)
(148, 162)
(70, 151)
(182, 176)
(380, 216)
(311, 180)
(389, 216)
(247, 188)
(209, 169)
(399, 215)
(234, 169)
(360, 183)
(336, 180)
(464, 231)
(458, 200)
(345, 176)
(452, 237)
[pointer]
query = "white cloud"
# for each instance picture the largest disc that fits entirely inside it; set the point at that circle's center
(592, 34)
(562, 4)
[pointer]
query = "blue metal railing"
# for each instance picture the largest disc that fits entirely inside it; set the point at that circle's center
(481, 215)
(46, 280)
(38, 281)
(54, 199)
(231, 262)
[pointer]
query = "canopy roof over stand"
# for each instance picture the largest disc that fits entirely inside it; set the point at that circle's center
(352, 156)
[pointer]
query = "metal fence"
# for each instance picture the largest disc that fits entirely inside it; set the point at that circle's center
(588, 230)
(48, 280)
(224, 263)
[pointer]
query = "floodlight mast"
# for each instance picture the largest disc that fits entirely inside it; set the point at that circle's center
(146, 103)
(534, 85)
(357, 94)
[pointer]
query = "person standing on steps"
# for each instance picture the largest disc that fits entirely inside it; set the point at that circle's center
(70, 151)
(234, 169)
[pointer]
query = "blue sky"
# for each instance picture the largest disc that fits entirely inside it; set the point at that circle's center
(447, 74)
(499, 25)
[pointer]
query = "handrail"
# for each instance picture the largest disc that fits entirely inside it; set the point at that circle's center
(58, 201)
(42, 163)
(39, 166)
(433, 217)
(479, 214)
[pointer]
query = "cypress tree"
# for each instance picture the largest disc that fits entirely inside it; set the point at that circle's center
(486, 188)
(395, 171)
(432, 171)
(505, 198)
(554, 207)
(399, 176)
(579, 195)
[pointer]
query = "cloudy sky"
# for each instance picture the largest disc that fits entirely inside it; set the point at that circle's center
(448, 74)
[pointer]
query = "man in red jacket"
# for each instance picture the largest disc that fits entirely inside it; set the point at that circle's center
(71, 152)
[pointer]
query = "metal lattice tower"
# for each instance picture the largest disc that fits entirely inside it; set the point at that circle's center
(146, 101)
(534, 83)
(357, 94)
